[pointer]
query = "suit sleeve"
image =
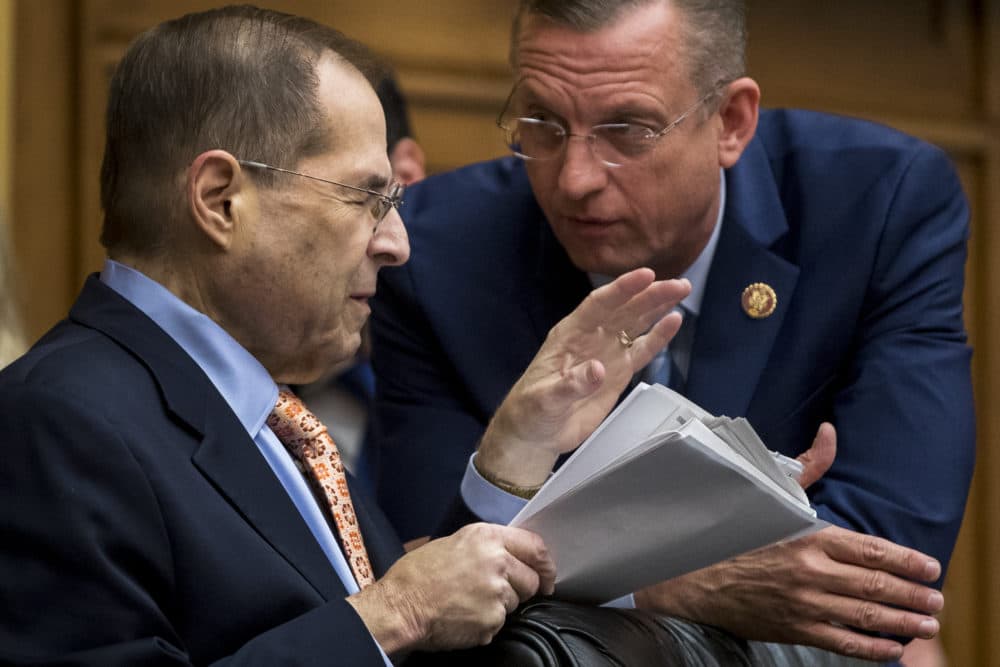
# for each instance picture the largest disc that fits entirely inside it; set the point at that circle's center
(904, 415)
(427, 430)
(86, 571)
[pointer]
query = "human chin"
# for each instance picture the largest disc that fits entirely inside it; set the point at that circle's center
(337, 355)
(603, 260)
(602, 254)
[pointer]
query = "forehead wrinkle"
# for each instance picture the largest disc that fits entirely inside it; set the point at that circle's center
(607, 46)
(356, 120)
(604, 65)
(598, 90)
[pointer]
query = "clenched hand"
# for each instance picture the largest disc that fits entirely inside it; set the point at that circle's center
(455, 592)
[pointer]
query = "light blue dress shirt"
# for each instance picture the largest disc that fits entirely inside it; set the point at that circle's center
(244, 384)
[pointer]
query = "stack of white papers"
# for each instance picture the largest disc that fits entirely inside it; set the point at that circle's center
(662, 488)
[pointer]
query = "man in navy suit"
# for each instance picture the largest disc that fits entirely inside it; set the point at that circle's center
(826, 262)
(149, 514)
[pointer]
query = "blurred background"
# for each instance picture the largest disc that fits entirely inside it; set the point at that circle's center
(928, 67)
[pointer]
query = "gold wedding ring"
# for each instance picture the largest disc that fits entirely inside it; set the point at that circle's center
(625, 339)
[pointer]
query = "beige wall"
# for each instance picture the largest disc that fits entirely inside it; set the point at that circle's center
(11, 339)
(6, 90)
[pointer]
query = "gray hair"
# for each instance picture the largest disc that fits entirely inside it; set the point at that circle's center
(241, 79)
(715, 32)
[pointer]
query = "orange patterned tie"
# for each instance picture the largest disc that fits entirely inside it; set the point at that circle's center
(307, 439)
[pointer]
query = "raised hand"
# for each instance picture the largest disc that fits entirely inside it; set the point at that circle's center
(455, 592)
(578, 374)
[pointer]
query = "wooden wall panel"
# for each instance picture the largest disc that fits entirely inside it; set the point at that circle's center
(987, 515)
(6, 108)
(915, 56)
(44, 230)
(967, 635)
(929, 67)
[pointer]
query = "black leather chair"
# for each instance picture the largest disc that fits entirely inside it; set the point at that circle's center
(561, 634)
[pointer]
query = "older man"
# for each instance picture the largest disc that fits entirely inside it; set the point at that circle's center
(163, 498)
(826, 262)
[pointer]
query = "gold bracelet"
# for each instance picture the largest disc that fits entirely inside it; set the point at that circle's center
(526, 492)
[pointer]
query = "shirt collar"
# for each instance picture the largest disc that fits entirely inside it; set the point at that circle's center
(243, 382)
(697, 273)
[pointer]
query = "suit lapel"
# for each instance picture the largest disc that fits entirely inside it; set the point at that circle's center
(232, 462)
(227, 456)
(730, 348)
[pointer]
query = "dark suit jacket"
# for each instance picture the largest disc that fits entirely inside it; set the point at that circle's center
(860, 230)
(140, 524)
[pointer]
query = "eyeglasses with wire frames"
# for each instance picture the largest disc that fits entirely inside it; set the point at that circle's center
(381, 204)
(614, 144)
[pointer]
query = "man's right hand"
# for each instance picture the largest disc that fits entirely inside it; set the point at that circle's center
(455, 592)
(576, 377)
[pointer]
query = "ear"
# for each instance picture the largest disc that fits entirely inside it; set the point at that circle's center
(408, 161)
(215, 184)
(739, 110)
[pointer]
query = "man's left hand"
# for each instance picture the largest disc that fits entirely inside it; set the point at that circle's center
(813, 590)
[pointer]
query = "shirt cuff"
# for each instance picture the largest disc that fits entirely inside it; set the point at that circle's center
(490, 503)
(624, 602)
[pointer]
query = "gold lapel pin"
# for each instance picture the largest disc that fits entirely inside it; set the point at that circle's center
(759, 300)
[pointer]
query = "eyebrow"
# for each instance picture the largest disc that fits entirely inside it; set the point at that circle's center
(631, 109)
(375, 182)
(525, 95)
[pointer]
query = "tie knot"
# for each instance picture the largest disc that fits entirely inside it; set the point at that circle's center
(293, 423)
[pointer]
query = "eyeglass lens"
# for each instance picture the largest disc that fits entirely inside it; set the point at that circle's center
(392, 199)
(612, 143)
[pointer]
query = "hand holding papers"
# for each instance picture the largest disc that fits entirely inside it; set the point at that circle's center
(662, 488)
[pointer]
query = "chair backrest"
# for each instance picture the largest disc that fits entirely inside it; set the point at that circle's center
(550, 633)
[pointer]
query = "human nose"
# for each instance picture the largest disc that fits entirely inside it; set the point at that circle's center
(390, 245)
(582, 172)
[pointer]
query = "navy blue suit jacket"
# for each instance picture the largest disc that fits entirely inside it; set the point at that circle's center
(140, 524)
(860, 230)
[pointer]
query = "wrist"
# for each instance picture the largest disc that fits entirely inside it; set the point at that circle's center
(526, 492)
(515, 463)
(676, 597)
(393, 621)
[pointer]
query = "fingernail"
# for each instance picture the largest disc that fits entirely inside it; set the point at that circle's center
(929, 628)
(932, 570)
(935, 601)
